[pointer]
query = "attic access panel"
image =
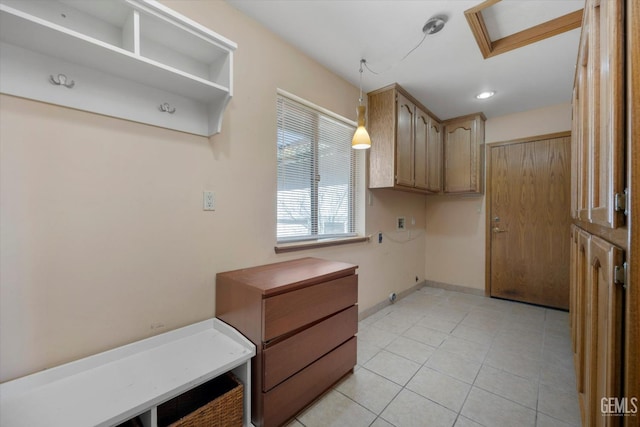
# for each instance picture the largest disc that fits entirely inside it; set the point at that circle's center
(529, 34)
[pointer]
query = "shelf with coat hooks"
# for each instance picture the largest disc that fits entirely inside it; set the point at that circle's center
(132, 59)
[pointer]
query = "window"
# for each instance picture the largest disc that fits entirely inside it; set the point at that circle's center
(317, 173)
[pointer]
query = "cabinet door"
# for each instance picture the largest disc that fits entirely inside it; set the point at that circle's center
(434, 157)
(604, 332)
(462, 157)
(599, 108)
(606, 139)
(421, 149)
(404, 142)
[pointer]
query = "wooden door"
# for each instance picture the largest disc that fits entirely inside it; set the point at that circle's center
(528, 221)
(421, 145)
(404, 142)
(434, 157)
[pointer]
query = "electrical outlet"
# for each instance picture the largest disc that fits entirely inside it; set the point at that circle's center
(208, 201)
(400, 225)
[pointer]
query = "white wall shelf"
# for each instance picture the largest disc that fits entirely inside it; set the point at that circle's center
(111, 387)
(125, 57)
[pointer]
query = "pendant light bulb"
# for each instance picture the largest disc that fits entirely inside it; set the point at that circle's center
(361, 139)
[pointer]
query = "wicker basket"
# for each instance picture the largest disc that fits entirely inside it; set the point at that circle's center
(218, 403)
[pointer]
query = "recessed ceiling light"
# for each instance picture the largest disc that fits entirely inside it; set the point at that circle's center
(485, 95)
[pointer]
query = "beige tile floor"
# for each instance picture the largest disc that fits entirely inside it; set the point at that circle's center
(441, 358)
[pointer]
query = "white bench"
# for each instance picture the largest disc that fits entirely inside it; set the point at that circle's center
(112, 387)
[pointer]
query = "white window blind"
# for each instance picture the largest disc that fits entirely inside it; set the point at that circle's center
(316, 174)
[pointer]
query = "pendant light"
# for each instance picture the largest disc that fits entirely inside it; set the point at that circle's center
(361, 139)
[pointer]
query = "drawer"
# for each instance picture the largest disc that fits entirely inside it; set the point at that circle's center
(287, 357)
(292, 310)
(288, 398)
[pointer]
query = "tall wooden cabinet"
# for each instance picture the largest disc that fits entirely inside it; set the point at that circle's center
(604, 297)
(597, 322)
(406, 142)
(464, 154)
(302, 317)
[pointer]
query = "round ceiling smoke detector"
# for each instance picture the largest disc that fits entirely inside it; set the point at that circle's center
(434, 24)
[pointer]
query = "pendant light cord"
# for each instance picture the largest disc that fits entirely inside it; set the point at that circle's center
(433, 26)
(424, 36)
(362, 62)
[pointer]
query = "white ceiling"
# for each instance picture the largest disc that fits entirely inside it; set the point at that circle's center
(447, 70)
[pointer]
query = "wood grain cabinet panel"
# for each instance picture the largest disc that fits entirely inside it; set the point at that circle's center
(405, 141)
(412, 150)
(287, 357)
(607, 361)
(403, 154)
(434, 157)
(421, 149)
(288, 398)
(604, 305)
(292, 310)
(599, 116)
(464, 155)
(302, 316)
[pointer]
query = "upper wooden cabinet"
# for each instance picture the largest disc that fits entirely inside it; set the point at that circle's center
(598, 117)
(464, 154)
(406, 143)
(412, 150)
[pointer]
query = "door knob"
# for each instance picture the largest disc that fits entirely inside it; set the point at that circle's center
(498, 230)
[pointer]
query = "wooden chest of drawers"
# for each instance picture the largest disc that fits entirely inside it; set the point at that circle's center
(302, 317)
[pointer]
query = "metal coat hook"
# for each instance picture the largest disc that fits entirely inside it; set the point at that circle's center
(62, 80)
(167, 108)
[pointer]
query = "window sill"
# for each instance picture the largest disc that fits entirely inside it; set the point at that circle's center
(298, 246)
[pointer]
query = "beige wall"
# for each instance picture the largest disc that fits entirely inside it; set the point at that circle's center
(103, 237)
(455, 236)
